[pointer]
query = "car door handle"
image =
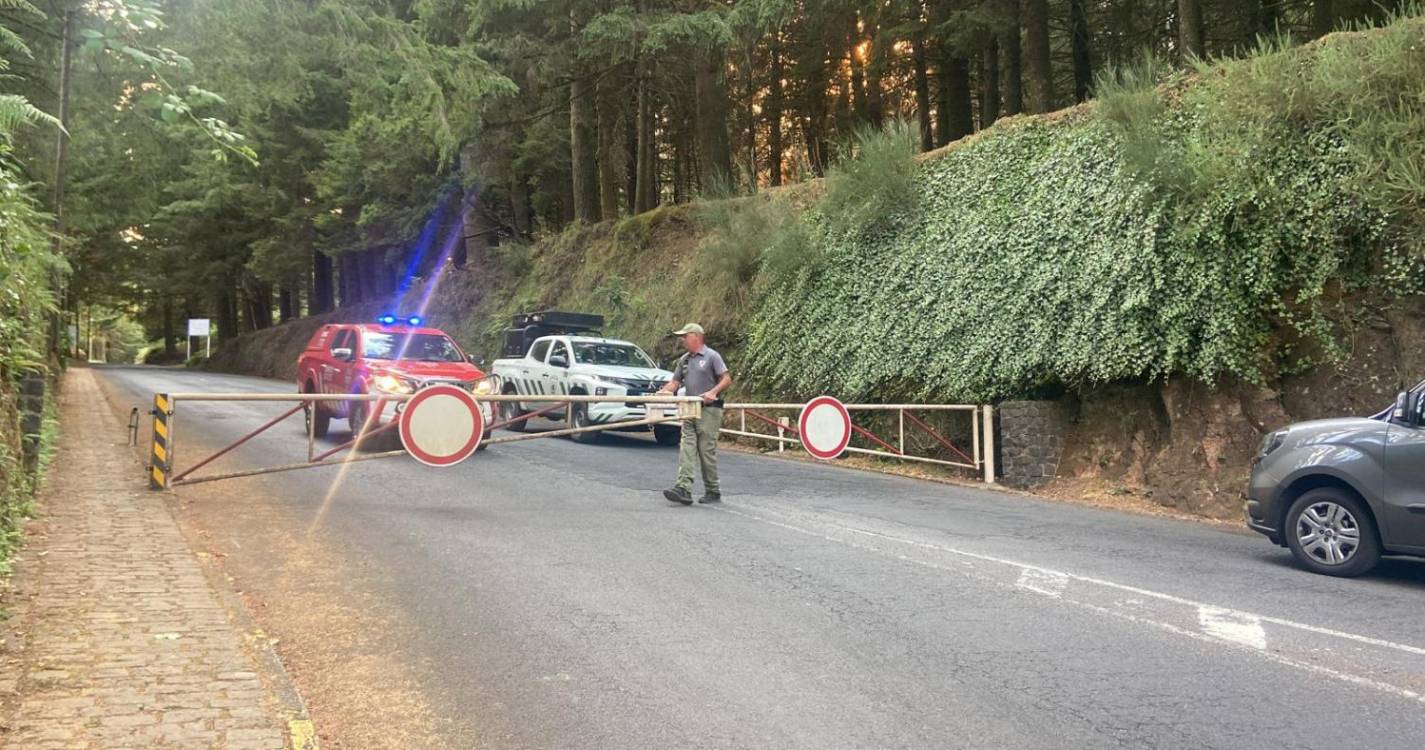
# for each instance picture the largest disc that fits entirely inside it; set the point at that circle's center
(1416, 508)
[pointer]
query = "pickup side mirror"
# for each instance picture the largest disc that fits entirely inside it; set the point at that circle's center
(558, 360)
(477, 361)
(344, 354)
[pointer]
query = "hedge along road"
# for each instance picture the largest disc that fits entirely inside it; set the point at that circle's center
(543, 594)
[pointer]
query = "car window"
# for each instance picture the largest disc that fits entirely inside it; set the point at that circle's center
(560, 350)
(417, 347)
(618, 355)
(342, 340)
(540, 349)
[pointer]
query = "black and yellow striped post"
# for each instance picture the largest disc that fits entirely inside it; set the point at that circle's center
(162, 454)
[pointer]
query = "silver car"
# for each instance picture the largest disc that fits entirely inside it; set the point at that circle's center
(1342, 492)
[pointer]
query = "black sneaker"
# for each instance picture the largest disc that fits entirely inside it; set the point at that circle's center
(711, 497)
(678, 495)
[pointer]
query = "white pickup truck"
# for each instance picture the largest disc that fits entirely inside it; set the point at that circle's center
(584, 365)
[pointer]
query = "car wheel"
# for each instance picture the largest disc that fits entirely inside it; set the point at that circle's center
(1330, 532)
(581, 419)
(316, 421)
(511, 410)
(668, 435)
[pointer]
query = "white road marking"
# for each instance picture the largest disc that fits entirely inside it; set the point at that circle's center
(1236, 620)
(1232, 626)
(1038, 581)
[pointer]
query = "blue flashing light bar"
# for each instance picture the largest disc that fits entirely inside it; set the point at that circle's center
(390, 320)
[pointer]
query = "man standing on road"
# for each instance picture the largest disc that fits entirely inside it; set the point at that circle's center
(702, 373)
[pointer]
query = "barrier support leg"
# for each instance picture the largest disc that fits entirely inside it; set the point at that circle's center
(161, 454)
(989, 443)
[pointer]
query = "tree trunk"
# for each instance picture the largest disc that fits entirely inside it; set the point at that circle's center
(989, 85)
(630, 144)
(775, 100)
(260, 296)
(875, 72)
(611, 147)
(858, 71)
(61, 165)
(1269, 16)
(681, 159)
(583, 156)
(350, 278)
(321, 297)
(1190, 37)
(583, 133)
(1323, 17)
(645, 194)
(1039, 68)
(286, 298)
(1083, 63)
(714, 148)
(922, 92)
(170, 334)
(956, 110)
(227, 313)
(1013, 61)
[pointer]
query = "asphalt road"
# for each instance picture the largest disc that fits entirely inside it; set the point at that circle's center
(552, 599)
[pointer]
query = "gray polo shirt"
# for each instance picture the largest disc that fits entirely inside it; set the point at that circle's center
(702, 372)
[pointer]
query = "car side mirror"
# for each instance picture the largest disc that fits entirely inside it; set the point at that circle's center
(558, 360)
(1407, 408)
(344, 354)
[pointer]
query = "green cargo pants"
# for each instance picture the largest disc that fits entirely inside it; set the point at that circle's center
(699, 446)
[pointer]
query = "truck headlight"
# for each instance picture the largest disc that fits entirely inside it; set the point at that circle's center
(392, 384)
(485, 387)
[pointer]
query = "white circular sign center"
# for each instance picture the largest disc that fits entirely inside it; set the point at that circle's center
(442, 425)
(825, 427)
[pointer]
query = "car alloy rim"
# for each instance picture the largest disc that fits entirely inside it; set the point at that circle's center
(1328, 533)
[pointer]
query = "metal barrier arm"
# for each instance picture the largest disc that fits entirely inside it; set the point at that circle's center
(240, 441)
(161, 468)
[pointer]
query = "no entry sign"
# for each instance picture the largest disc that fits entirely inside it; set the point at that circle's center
(441, 425)
(825, 427)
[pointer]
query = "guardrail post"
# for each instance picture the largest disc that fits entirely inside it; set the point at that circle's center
(901, 413)
(989, 443)
(781, 433)
(161, 455)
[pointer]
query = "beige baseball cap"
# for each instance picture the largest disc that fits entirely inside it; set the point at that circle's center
(689, 328)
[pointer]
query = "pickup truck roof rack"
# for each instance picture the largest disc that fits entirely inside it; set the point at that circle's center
(526, 327)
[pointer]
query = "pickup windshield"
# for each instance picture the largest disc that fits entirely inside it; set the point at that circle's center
(418, 347)
(618, 355)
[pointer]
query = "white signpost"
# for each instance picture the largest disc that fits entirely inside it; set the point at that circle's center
(441, 425)
(199, 327)
(824, 427)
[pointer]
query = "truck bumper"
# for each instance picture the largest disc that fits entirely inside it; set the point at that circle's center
(614, 413)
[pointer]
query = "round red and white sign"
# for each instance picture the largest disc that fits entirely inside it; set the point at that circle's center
(825, 427)
(441, 425)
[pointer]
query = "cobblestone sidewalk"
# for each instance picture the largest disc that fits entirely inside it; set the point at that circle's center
(115, 637)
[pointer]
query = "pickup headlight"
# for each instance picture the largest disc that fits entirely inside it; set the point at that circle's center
(392, 384)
